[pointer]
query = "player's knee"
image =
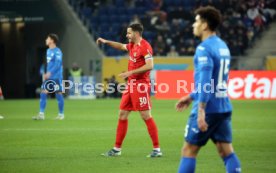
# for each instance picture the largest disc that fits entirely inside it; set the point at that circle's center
(44, 91)
(145, 115)
(224, 149)
(123, 115)
(189, 150)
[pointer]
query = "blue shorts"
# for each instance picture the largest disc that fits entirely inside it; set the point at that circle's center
(219, 129)
(52, 85)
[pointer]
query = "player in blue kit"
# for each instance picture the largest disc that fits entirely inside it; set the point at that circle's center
(52, 80)
(211, 112)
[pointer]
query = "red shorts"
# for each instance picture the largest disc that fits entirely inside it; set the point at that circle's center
(136, 98)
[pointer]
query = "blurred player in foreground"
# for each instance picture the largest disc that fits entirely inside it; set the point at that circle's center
(211, 112)
(137, 95)
(53, 78)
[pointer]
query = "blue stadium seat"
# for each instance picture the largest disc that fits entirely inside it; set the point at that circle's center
(94, 22)
(149, 35)
(123, 19)
(110, 52)
(141, 10)
(113, 19)
(119, 3)
(115, 27)
(121, 11)
(131, 11)
(102, 11)
(189, 3)
(110, 35)
(104, 27)
(177, 2)
(111, 10)
(86, 12)
(103, 19)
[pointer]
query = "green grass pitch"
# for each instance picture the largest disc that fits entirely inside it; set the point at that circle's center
(75, 144)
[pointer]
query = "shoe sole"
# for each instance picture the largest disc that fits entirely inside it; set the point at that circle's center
(117, 155)
(149, 156)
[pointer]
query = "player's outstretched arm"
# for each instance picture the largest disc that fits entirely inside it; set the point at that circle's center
(115, 45)
(183, 103)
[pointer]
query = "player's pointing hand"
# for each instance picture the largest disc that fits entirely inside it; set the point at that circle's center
(101, 40)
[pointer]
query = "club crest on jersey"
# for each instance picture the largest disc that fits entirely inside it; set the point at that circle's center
(132, 59)
(134, 54)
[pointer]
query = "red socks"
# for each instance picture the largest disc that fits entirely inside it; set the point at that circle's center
(153, 132)
(121, 132)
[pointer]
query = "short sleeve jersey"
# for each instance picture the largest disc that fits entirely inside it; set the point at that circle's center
(138, 53)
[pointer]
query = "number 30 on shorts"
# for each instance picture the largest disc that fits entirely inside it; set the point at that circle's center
(143, 100)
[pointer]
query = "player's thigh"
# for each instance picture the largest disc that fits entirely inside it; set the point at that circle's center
(145, 115)
(193, 135)
(224, 149)
(190, 150)
(123, 114)
(223, 131)
(140, 97)
(126, 103)
(52, 85)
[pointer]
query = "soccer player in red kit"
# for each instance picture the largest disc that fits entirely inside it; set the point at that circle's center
(137, 95)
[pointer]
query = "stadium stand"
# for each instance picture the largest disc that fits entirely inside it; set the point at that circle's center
(168, 22)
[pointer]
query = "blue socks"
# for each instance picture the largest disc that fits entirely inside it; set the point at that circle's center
(187, 165)
(43, 100)
(232, 163)
(60, 100)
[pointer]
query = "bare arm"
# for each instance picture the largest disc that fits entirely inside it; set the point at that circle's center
(202, 124)
(115, 45)
(148, 66)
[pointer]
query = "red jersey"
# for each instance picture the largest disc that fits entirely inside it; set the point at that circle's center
(137, 58)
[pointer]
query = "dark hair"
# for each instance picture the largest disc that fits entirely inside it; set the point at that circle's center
(210, 15)
(137, 27)
(54, 37)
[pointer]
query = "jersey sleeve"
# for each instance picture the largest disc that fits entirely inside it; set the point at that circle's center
(128, 46)
(205, 65)
(147, 51)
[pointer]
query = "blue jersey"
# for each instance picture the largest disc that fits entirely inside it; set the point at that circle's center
(211, 63)
(54, 63)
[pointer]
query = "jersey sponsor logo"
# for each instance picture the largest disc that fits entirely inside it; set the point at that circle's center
(224, 52)
(203, 59)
